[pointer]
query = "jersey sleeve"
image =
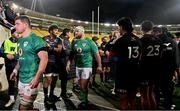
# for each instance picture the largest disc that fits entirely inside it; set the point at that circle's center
(38, 44)
(115, 47)
(93, 46)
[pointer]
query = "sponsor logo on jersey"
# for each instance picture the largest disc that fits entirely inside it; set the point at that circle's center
(167, 44)
(84, 44)
(25, 44)
(20, 51)
(79, 50)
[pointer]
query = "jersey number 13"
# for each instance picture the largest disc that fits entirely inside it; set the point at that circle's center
(133, 52)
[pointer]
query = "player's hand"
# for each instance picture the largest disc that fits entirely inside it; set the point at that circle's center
(34, 83)
(68, 68)
(99, 70)
(5, 21)
(10, 56)
(48, 45)
(13, 75)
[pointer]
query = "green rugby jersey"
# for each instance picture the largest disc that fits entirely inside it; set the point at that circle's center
(84, 50)
(28, 59)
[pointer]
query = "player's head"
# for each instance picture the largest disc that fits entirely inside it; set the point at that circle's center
(177, 35)
(157, 31)
(164, 30)
(147, 26)
(66, 32)
(22, 23)
(104, 39)
(95, 38)
(125, 25)
(79, 31)
(53, 30)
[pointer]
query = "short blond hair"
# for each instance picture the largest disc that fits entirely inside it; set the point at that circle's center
(79, 28)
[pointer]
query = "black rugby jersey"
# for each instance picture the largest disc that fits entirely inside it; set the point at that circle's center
(52, 43)
(151, 50)
(128, 50)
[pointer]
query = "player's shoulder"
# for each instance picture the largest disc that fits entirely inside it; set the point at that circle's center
(88, 39)
(46, 37)
(36, 38)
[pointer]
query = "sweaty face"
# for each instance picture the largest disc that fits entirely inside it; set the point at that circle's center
(78, 34)
(20, 26)
(105, 40)
(55, 32)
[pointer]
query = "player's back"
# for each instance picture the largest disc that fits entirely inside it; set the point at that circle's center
(151, 50)
(150, 58)
(128, 50)
(170, 54)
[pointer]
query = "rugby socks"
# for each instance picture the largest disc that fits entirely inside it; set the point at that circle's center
(106, 74)
(101, 76)
(45, 92)
(12, 97)
(84, 96)
(53, 85)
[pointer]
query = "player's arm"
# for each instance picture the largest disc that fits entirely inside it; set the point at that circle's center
(15, 71)
(98, 60)
(43, 56)
(70, 58)
(97, 56)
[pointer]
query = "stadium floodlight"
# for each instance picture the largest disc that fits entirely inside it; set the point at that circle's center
(160, 25)
(137, 25)
(107, 24)
(72, 20)
(113, 25)
(102, 24)
(168, 25)
(79, 21)
(14, 6)
(58, 15)
(86, 22)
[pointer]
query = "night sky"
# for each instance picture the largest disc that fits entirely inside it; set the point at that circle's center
(159, 11)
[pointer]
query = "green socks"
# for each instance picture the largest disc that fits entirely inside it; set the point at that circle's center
(84, 96)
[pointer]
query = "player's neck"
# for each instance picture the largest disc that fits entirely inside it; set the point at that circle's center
(26, 33)
(124, 32)
(52, 36)
(149, 32)
(80, 37)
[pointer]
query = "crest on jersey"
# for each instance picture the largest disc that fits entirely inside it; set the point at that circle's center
(20, 51)
(79, 50)
(25, 44)
(84, 44)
